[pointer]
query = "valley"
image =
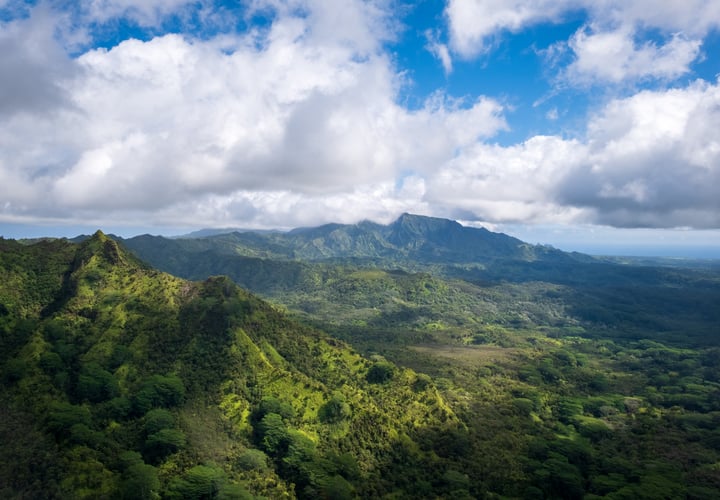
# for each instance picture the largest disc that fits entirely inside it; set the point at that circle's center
(421, 359)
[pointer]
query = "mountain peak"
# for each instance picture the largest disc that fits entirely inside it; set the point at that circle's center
(424, 222)
(410, 229)
(101, 247)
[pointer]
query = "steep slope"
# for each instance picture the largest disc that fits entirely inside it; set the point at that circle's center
(121, 381)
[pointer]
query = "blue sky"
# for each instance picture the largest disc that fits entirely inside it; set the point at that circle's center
(589, 125)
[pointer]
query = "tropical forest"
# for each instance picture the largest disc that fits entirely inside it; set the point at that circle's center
(416, 360)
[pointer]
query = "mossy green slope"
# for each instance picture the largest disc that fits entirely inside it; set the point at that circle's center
(119, 381)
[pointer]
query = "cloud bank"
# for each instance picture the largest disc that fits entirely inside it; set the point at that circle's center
(298, 121)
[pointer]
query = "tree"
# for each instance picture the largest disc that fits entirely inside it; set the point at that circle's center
(158, 419)
(380, 372)
(271, 404)
(199, 482)
(273, 435)
(163, 443)
(159, 391)
(140, 481)
(336, 488)
(62, 416)
(252, 459)
(336, 410)
(96, 384)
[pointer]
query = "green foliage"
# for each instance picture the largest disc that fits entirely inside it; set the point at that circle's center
(96, 384)
(380, 372)
(252, 459)
(335, 488)
(271, 404)
(140, 481)
(336, 410)
(198, 483)
(157, 420)
(523, 406)
(272, 434)
(14, 370)
(62, 416)
(159, 391)
(546, 379)
(162, 443)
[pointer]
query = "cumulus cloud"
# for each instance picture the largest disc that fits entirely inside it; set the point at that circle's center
(143, 12)
(611, 47)
(614, 56)
(650, 160)
(35, 68)
(175, 119)
(473, 24)
(297, 123)
(509, 184)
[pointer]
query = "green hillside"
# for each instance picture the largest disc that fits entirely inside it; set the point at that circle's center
(543, 377)
(123, 382)
(425, 273)
(574, 377)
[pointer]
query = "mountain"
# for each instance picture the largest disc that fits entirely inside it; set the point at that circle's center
(120, 381)
(558, 377)
(204, 233)
(273, 261)
(320, 274)
(411, 238)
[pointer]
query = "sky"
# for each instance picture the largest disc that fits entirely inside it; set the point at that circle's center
(591, 125)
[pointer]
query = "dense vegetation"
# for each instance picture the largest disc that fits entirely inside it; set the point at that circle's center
(120, 381)
(510, 371)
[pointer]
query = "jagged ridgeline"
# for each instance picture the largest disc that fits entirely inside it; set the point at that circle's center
(119, 381)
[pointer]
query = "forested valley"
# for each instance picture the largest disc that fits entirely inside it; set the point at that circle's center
(421, 359)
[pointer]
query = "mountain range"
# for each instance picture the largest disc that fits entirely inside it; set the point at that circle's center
(296, 267)
(409, 238)
(419, 359)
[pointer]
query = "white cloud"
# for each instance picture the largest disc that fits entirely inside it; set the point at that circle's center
(509, 184)
(650, 160)
(143, 12)
(34, 68)
(180, 122)
(615, 57)
(439, 50)
(297, 123)
(284, 209)
(474, 23)
(611, 47)
(692, 17)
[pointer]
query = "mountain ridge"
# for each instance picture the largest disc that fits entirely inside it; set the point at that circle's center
(123, 372)
(410, 238)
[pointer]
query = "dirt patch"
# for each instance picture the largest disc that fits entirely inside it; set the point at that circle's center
(470, 355)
